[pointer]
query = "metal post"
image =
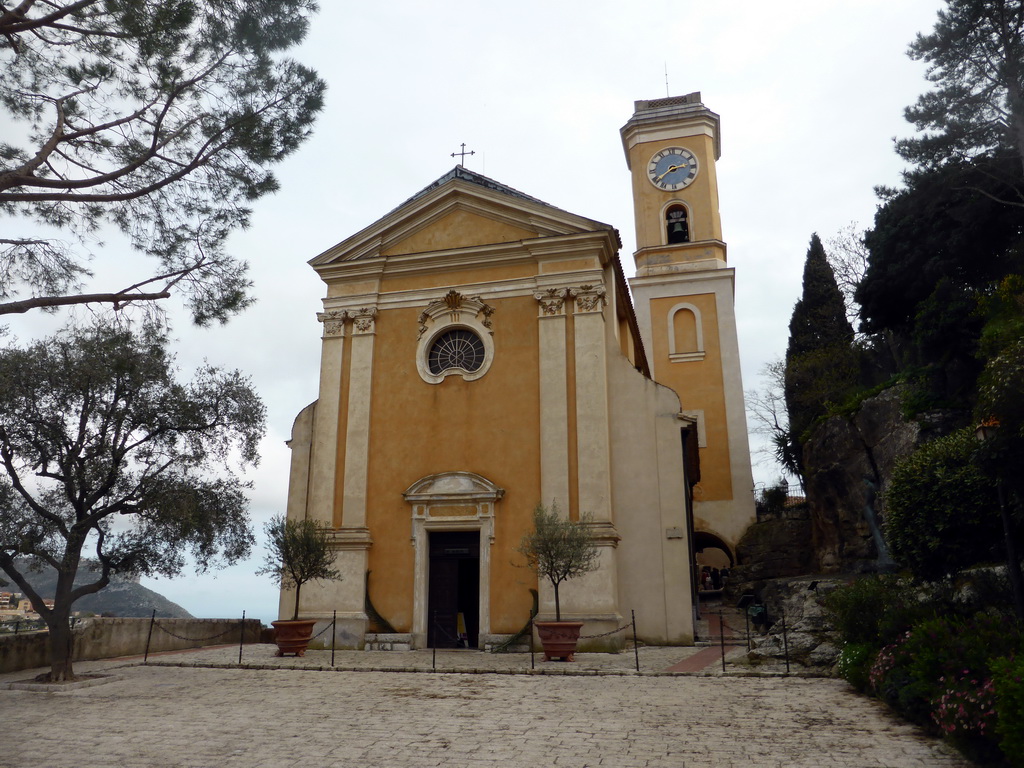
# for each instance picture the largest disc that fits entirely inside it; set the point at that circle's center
(636, 648)
(152, 621)
(334, 632)
(785, 638)
(241, 637)
(721, 637)
(433, 645)
(746, 620)
(532, 662)
(17, 626)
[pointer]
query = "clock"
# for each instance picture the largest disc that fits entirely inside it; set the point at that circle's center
(672, 168)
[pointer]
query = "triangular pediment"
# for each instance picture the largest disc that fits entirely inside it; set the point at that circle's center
(462, 209)
(460, 228)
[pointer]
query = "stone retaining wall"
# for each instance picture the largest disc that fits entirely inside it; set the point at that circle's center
(106, 638)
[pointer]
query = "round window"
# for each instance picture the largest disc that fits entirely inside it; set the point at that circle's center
(459, 348)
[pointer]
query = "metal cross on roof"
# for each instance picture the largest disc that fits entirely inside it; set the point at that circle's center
(463, 153)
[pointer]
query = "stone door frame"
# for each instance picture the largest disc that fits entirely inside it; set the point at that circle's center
(450, 501)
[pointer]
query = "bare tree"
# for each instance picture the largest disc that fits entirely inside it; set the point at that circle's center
(848, 256)
(766, 407)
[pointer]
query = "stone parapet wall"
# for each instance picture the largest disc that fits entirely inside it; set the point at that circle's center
(106, 638)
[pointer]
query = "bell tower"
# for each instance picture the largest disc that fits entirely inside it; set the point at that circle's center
(684, 298)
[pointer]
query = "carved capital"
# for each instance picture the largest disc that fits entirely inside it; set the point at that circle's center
(363, 319)
(551, 301)
(334, 321)
(589, 298)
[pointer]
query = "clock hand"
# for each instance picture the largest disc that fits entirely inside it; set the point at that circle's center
(671, 168)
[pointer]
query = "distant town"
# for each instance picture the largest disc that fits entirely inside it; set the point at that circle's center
(18, 615)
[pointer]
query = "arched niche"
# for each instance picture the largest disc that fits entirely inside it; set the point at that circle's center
(685, 333)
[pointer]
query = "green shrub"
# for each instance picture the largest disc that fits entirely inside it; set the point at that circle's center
(1008, 679)
(966, 714)
(773, 500)
(891, 679)
(877, 609)
(855, 660)
(942, 513)
(945, 658)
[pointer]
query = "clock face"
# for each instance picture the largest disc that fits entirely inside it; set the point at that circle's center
(672, 168)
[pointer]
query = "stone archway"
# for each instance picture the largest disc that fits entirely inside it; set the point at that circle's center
(705, 540)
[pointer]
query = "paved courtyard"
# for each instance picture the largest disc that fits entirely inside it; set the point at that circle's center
(357, 714)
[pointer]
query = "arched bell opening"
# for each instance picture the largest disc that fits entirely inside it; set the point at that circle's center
(677, 224)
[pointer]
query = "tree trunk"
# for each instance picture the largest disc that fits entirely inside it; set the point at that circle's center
(298, 588)
(558, 606)
(61, 649)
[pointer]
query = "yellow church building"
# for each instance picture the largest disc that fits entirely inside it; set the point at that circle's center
(483, 353)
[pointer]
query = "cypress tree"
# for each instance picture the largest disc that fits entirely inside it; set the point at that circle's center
(821, 365)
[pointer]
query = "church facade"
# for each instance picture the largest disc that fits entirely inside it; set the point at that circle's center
(481, 354)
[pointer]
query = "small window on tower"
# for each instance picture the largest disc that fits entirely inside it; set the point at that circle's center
(677, 226)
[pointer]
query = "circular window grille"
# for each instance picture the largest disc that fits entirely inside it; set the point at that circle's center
(456, 349)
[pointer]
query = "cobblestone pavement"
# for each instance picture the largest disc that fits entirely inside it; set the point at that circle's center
(222, 716)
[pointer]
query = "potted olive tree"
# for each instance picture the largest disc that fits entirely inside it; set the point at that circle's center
(298, 551)
(558, 549)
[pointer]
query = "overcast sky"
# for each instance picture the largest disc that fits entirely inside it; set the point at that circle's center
(810, 92)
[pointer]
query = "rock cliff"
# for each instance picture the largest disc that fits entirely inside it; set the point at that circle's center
(848, 462)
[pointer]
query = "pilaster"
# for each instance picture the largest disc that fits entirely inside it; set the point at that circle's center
(357, 437)
(554, 398)
(323, 463)
(592, 430)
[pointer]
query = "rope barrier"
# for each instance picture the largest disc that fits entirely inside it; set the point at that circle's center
(605, 634)
(314, 637)
(227, 631)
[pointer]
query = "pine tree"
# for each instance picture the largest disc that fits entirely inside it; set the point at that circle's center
(975, 57)
(162, 120)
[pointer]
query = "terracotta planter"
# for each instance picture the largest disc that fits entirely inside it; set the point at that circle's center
(558, 638)
(293, 636)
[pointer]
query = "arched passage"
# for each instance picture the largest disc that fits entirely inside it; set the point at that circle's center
(712, 550)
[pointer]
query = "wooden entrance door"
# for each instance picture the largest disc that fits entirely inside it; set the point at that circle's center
(453, 589)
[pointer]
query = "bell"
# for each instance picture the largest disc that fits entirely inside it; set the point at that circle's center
(677, 228)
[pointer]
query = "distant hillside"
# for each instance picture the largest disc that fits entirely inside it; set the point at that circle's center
(122, 597)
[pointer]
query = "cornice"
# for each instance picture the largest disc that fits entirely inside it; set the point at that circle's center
(671, 118)
(727, 274)
(577, 245)
(349, 538)
(456, 194)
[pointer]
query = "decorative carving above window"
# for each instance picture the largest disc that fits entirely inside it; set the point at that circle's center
(455, 337)
(454, 304)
